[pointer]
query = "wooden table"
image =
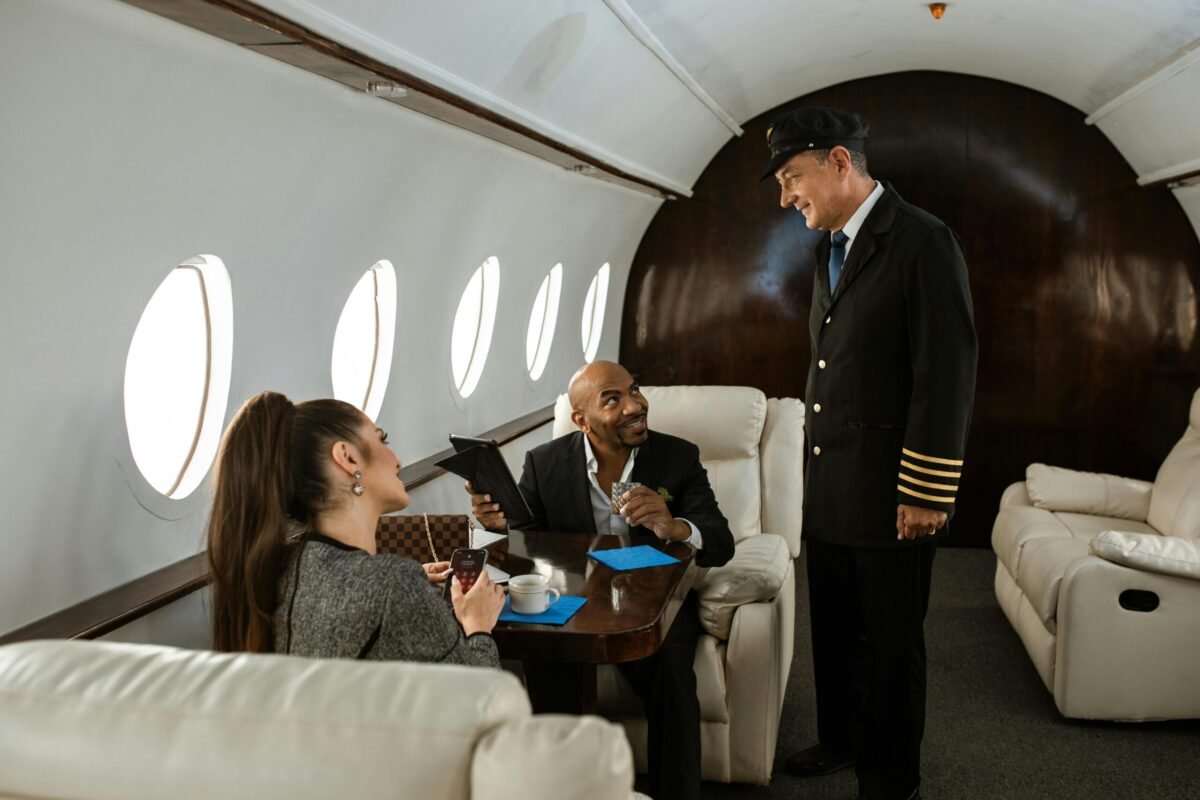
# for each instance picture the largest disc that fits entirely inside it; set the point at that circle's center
(626, 617)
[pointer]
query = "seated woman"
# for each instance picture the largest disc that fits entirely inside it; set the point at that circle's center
(322, 469)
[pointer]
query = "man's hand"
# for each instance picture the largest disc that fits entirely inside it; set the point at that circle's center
(645, 507)
(913, 522)
(488, 513)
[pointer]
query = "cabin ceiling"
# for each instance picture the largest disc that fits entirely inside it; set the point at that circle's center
(754, 56)
(656, 87)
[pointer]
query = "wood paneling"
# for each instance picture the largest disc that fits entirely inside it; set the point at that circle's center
(215, 19)
(1084, 284)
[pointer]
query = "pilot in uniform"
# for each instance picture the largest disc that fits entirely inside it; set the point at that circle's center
(888, 398)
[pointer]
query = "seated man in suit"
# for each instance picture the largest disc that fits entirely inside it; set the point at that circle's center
(567, 484)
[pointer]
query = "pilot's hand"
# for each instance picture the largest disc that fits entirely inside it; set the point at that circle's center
(488, 513)
(646, 507)
(913, 522)
(437, 572)
(479, 607)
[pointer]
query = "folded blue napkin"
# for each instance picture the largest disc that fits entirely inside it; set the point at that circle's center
(556, 614)
(639, 557)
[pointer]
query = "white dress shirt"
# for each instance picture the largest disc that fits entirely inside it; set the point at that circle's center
(855, 223)
(606, 521)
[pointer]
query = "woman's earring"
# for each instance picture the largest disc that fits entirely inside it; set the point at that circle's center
(358, 487)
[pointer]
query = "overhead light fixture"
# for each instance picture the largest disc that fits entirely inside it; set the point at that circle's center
(937, 9)
(386, 89)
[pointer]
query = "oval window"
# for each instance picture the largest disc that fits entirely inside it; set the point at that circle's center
(541, 323)
(593, 313)
(362, 344)
(472, 334)
(177, 376)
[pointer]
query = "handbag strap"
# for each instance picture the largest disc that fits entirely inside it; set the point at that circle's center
(429, 537)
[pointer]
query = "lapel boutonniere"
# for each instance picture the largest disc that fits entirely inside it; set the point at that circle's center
(664, 494)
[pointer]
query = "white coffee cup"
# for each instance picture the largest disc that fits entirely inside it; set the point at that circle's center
(529, 594)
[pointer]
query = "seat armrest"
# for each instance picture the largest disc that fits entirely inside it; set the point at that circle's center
(754, 574)
(553, 755)
(1118, 663)
(1059, 489)
(1170, 555)
(1015, 495)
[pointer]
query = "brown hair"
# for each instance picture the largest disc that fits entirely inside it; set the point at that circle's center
(271, 480)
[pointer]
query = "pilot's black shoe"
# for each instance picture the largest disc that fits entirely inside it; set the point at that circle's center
(817, 760)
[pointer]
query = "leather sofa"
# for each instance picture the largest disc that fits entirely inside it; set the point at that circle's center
(752, 449)
(100, 720)
(1100, 577)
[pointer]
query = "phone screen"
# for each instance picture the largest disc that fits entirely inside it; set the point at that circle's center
(467, 565)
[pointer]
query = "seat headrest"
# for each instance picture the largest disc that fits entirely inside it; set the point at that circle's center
(725, 422)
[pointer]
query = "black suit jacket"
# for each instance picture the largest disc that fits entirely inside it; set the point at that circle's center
(556, 487)
(892, 377)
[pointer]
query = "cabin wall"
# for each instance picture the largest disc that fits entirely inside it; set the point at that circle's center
(1084, 283)
(130, 144)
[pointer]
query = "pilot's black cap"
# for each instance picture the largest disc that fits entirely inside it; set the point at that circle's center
(813, 129)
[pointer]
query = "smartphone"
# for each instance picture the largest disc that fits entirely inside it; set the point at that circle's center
(467, 564)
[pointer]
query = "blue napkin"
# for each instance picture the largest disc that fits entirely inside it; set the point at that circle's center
(639, 557)
(556, 614)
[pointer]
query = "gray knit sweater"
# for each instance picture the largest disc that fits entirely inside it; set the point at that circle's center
(342, 602)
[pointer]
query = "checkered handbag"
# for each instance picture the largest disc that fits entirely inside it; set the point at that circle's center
(423, 537)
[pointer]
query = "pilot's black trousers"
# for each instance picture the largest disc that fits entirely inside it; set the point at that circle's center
(666, 684)
(868, 615)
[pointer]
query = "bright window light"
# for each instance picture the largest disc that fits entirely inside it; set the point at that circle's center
(541, 323)
(362, 344)
(177, 376)
(593, 313)
(472, 335)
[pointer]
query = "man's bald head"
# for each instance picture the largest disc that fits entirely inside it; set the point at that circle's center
(587, 379)
(607, 405)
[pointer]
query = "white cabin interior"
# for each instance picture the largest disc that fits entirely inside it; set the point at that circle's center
(140, 135)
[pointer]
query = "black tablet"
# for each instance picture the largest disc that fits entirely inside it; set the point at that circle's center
(480, 462)
(463, 443)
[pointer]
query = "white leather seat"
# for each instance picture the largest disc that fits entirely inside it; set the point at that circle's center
(100, 720)
(1073, 552)
(752, 449)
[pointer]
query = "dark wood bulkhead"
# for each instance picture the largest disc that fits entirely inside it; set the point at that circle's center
(1084, 283)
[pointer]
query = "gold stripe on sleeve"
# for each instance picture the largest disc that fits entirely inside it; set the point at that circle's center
(927, 471)
(925, 496)
(944, 487)
(932, 459)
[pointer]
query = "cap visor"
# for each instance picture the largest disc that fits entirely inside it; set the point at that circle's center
(778, 161)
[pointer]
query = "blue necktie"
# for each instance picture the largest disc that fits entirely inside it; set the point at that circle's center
(837, 254)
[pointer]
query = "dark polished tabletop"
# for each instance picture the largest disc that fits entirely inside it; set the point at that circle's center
(627, 614)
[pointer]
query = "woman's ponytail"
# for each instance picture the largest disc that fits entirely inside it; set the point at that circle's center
(272, 479)
(248, 530)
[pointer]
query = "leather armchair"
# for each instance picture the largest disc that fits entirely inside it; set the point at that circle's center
(100, 720)
(1100, 576)
(752, 449)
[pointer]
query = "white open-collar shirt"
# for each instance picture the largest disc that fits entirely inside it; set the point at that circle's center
(606, 521)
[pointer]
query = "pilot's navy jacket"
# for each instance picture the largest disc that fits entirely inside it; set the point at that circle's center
(892, 378)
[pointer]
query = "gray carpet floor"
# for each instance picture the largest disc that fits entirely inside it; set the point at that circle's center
(992, 731)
